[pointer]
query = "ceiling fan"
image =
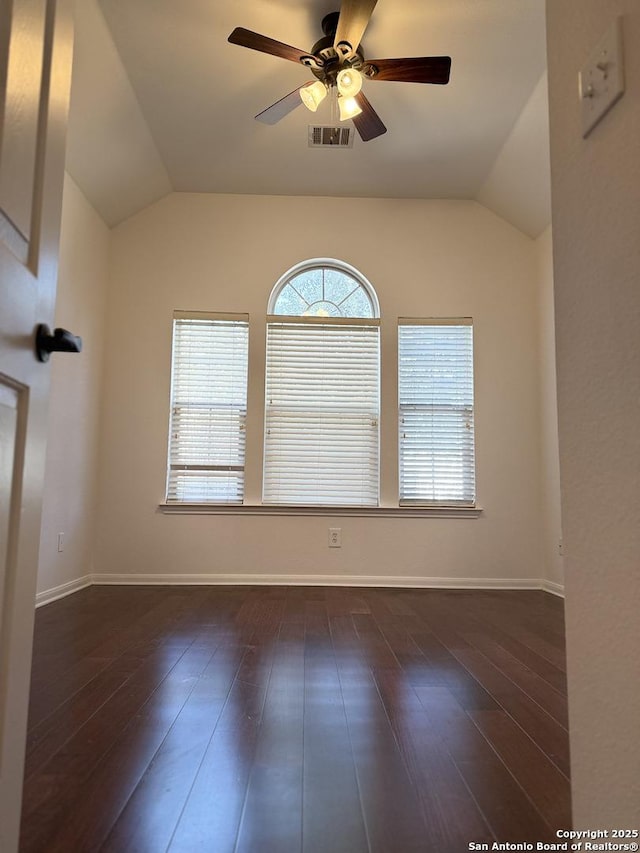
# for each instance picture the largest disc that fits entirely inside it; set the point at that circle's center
(338, 62)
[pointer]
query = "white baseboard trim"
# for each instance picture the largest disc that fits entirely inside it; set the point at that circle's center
(391, 581)
(49, 595)
(553, 588)
(409, 582)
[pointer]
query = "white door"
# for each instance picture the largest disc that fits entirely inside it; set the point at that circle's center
(36, 40)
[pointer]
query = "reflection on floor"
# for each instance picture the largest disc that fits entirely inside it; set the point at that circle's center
(286, 719)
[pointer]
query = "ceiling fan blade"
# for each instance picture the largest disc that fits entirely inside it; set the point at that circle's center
(422, 69)
(368, 123)
(254, 41)
(283, 107)
(353, 21)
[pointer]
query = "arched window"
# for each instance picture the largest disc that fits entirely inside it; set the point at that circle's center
(323, 288)
(322, 388)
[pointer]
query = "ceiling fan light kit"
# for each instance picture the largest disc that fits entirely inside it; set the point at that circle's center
(338, 63)
(313, 95)
(349, 108)
(349, 82)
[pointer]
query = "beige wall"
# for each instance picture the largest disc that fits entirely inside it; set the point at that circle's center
(437, 258)
(596, 216)
(549, 456)
(70, 479)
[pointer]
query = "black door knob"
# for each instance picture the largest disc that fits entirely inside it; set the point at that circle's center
(60, 341)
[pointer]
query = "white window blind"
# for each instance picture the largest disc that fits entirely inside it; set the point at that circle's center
(208, 408)
(321, 413)
(436, 435)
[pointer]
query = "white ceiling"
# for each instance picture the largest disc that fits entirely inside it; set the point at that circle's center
(195, 96)
(110, 151)
(518, 186)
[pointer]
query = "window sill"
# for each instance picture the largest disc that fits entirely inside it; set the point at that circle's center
(323, 511)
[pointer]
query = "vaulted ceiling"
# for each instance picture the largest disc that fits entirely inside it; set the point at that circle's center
(161, 101)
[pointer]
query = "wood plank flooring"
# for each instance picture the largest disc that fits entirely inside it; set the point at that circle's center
(323, 720)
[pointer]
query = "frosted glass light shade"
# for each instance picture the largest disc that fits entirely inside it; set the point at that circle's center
(312, 96)
(348, 108)
(349, 82)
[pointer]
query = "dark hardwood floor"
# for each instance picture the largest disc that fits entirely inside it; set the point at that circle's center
(324, 720)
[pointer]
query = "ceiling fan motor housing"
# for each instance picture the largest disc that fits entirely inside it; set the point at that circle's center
(330, 24)
(332, 62)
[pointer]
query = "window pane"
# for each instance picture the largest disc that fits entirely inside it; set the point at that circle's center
(357, 305)
(338, 285)
(212, 487)
(436, 430)
(321, 419)
(323, 292)
(309, 285)
(290, 302)
(322, 309)
(208, 411)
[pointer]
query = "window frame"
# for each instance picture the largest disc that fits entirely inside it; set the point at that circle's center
(324, 263)
(269, 496)
(242, 320)
(389, 505)
(465, 411)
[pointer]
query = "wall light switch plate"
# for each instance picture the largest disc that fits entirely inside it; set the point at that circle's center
(601, 79)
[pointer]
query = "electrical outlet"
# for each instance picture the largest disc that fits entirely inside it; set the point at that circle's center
(561, 547)
(60, 542)
(335, 537)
